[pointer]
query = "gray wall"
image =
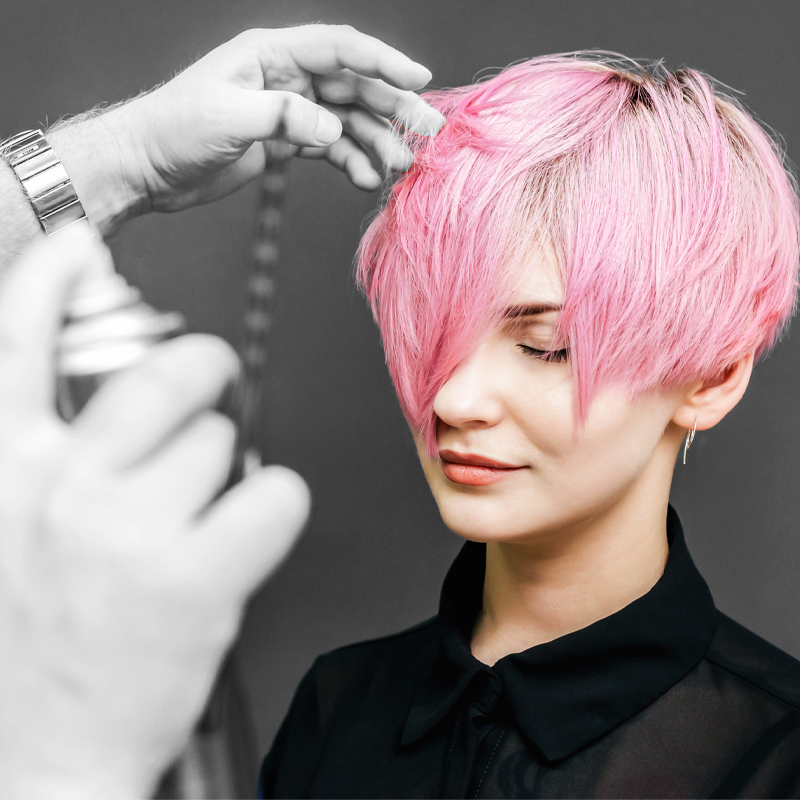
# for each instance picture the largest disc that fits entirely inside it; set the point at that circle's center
(375, 551)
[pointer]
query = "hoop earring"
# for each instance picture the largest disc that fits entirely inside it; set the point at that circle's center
(689, 439)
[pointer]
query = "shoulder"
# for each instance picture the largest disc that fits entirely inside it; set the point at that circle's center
(379, 669)
(375, 665)
(361, 689)
(759, 665)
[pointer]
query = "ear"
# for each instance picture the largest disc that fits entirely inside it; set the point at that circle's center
(710, 401)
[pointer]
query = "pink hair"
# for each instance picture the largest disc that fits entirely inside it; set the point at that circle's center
(673, 218)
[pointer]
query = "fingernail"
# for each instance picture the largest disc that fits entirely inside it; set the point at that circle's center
(424, 69)
(329, 129)
(426, 122)
(402, 159)
(438, 122)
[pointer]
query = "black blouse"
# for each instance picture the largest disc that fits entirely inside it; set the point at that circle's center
(666, 698)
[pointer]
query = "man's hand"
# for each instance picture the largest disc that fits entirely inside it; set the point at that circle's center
(121, 579)
(318, 91)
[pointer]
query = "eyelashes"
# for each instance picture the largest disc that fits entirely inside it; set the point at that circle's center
(549, 356)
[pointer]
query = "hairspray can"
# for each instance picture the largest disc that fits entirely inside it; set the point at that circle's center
(107, 329)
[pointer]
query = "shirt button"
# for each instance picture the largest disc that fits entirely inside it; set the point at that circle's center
(484, 690)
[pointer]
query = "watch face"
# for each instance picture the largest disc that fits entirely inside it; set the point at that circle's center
(22, 143)
(44, 180)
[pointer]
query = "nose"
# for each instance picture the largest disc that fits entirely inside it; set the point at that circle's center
(470, 398)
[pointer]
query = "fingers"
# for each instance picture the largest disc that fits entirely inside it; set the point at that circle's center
(137, 410)
(32, 299)
(351, 159)
(369, 142)
(183, 477)
(407, 108)
(322, 49)
(243, 537)
(287, 116)
(377, 137)
(347, 70)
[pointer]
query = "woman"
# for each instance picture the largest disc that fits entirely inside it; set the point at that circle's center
(573, 280)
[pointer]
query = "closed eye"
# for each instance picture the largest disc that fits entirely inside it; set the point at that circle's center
(545, 355)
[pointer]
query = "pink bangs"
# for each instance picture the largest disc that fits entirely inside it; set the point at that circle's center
(673, 219)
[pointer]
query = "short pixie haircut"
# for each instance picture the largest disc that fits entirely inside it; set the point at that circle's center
(670, 210)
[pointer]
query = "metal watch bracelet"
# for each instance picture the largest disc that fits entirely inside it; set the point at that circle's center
(44, 180)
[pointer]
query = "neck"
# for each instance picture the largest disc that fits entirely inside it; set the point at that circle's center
(536, 592)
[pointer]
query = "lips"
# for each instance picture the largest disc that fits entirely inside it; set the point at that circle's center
(474, 470)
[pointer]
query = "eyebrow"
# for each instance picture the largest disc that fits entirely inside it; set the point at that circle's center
(515, 312)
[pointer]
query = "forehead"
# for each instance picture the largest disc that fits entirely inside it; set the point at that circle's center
(538, 278)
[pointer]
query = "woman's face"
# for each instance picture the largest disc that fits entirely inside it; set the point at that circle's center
(509, 403)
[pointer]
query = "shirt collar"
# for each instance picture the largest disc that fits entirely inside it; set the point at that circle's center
(565, 693)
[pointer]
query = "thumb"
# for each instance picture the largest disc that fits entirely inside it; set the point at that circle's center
(287, 117)
(246, 534)
(33, 296)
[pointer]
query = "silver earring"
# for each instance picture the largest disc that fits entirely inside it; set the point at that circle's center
(689, 439)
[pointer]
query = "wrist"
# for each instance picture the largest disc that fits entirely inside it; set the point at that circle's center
(100, 155)
(18, 222)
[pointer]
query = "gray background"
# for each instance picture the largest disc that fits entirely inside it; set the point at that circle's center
(374, 554)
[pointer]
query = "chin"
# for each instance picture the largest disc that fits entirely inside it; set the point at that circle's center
(499, 512)
(485, 518)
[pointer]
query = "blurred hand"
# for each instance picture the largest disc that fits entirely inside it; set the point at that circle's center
(318, 91)
(121, 580)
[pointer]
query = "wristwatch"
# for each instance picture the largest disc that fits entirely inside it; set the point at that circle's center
(44, 180)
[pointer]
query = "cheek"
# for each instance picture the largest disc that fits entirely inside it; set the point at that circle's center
(431, 468)
(600, 460)
(540, 416)
(574, 470)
